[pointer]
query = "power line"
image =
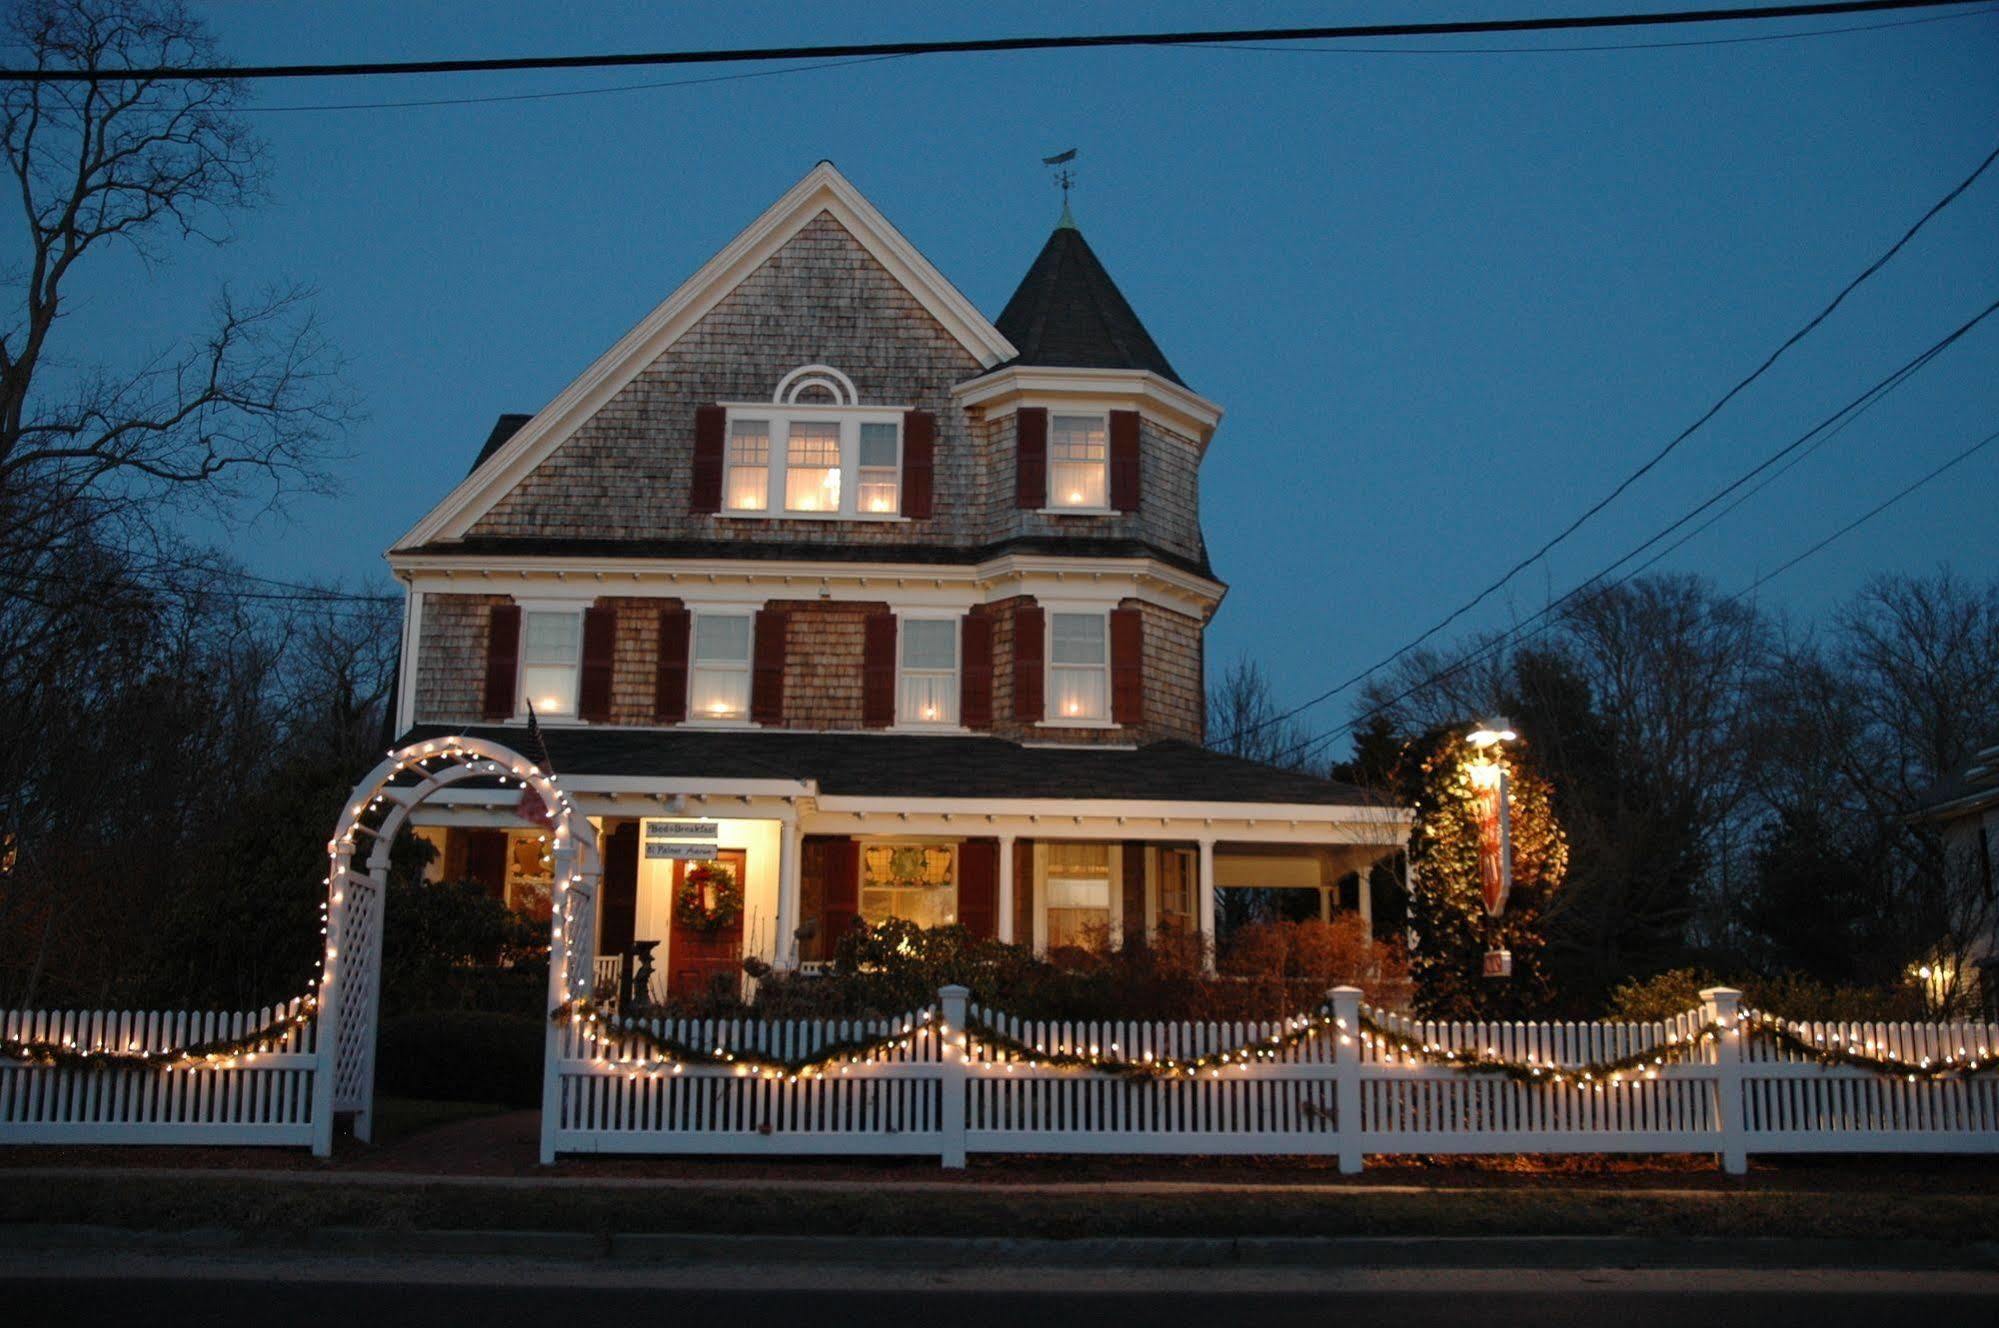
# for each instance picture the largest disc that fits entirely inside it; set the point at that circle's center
(1606, 46)
(1445, 28)
(1868, 515)
(561, 93)
(1518, 633)
(1653, 461)
(577, 92)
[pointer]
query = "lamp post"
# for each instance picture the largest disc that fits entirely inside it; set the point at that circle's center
(1495, 831)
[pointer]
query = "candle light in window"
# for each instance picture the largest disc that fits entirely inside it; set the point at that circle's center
(719, 708)
(550, 704)
(930, 712)
(1075, 497)
(1075, 707)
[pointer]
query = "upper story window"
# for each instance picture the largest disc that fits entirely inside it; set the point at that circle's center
(816, 451)
(928, 687)
(551, 654)
(1079, 455)
(718, 683)
(1078, 667)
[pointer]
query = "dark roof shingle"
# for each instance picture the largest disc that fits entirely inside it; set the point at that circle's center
(1068, 313)
(911, 766)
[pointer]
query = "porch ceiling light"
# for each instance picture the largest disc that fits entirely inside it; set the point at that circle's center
(1490, 731)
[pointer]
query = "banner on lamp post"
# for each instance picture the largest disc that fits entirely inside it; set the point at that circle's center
(1495, 855)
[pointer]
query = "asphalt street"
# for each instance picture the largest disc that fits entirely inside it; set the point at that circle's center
(380, 1293)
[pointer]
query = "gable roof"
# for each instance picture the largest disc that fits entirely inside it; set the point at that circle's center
(823, 190)
(1068, 313)
(503, 428)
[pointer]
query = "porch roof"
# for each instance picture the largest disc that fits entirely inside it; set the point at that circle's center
(888, 765)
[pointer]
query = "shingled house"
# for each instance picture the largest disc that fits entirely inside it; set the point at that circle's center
(836, 600)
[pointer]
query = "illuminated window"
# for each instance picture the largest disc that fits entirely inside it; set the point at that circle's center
(812, 467)
(1078, 667)
(1079, 895)
(929, 674)
(1078, 461)
(749, 466)
(551, 647)
(915, 882)
(719, 682)
(881, 467)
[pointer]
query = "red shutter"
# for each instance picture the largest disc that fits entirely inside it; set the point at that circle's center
(1030, 463)
(843, 894)
(919, 462)
(978, 887)
(878, 671)
(593, 692)
(503, 660)
(1124, 460)
(1127, 666)
(1027, 668)
(1134, 892)
(767, 674)
(975, 676)
(620, 889)
(704, 491)
(669, 694)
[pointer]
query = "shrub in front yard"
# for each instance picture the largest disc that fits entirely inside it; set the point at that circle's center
(1791, 995)
(462, 1056)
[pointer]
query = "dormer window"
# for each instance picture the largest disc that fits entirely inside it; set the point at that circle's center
(1079, 462)
(814, 451)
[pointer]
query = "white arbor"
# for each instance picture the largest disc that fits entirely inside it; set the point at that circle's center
(357, 881)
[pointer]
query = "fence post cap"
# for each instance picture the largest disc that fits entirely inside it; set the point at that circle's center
(953, 990)
(1347, 991)
(1720, 994)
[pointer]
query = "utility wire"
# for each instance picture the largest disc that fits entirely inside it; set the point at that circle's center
(1518, 633)
(1444, 28)
(1605, 46)
(1868, 515)
(1286, 50)
(1650, 463)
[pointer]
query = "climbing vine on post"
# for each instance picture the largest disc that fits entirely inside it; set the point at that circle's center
(1446, 910)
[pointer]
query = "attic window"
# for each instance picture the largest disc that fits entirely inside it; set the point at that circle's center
(815, 452)
(1079, 462)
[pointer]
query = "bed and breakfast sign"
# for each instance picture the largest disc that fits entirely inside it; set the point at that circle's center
(680, 841)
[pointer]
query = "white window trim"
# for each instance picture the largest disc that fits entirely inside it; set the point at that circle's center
(1051, 507)
(955, 618)
(695, 614)
(1048, 667)
(569, 608)
(850, 419)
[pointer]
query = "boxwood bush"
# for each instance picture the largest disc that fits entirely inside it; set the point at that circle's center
(462, 1056)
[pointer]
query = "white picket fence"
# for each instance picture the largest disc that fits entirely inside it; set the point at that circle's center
(1338, 1095)
(265, 1099)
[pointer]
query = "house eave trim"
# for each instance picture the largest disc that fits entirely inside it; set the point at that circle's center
(1169, 403)
(822, 189)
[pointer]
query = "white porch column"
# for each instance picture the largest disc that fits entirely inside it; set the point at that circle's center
(1006, 888)
(791, 850)
(1364, 897)
(1206, 898)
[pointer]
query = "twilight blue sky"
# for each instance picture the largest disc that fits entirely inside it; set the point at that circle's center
(1446, 299)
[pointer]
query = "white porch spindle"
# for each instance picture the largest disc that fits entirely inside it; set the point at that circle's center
(791, 850)
(1006, 888)
(1207, 898)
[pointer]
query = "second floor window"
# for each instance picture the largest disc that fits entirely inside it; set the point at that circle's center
(1078, 667)
(811, 460)
(929, 672)
(718, 685)
(1078, 461)
(551, 651)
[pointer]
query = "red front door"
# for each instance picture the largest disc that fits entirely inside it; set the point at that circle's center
(697, 959)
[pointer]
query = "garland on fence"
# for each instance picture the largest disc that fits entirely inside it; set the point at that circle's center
(1004, 1051)
(1864, 1053)
(666, 1055)
(1638, 1065)
(214, 1054)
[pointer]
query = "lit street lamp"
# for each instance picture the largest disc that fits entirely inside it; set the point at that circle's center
(1495, 831)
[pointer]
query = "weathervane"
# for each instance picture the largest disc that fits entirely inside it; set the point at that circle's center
(1065, 180)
